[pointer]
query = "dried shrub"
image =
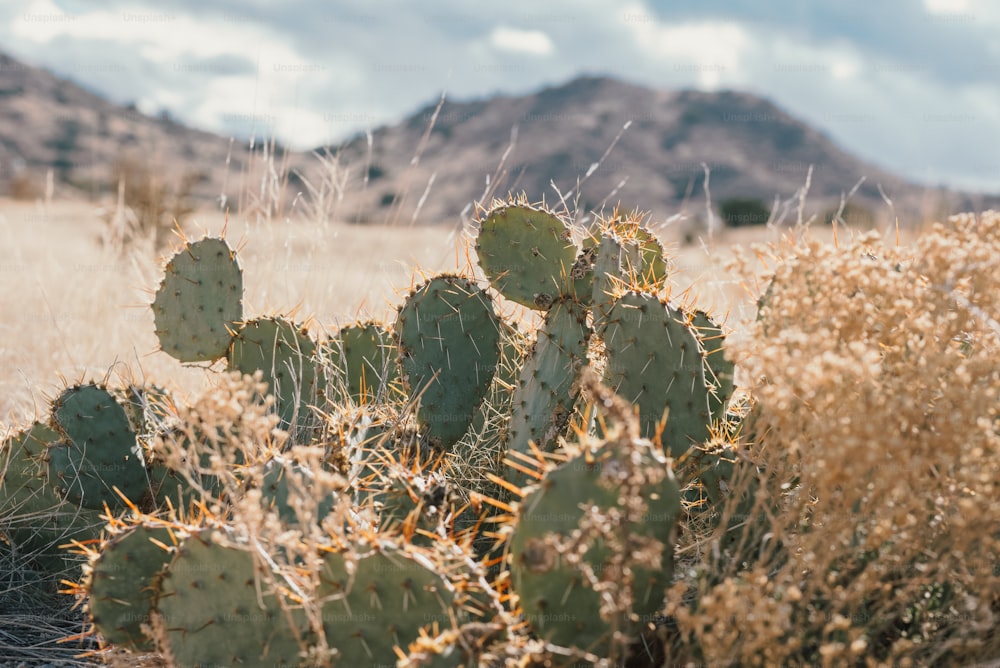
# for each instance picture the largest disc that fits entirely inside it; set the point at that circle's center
(876, 374)
(149, 206)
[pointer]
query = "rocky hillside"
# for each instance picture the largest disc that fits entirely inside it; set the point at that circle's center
(49, 123)
(432, 166)
(753, 150)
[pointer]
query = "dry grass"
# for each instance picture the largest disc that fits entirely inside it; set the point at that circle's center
(876, 372)
(76, 308)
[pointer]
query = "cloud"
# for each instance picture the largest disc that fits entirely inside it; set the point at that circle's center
(531, 42)
(873, 75)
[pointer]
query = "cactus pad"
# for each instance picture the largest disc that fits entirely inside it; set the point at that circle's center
(546, 391)
(363, 358)
(528, 255)
(199, 301)
(98, 450)
(218, 608)
(655, 362)
(557, 600)
(449, 345)
(390, 597)
(719, 371)
(287, 357)
(26, 497)
(123, 582)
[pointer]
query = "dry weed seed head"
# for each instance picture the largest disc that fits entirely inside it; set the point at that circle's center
(877, 375)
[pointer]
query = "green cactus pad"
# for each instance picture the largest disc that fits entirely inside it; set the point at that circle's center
(449, 345)
(35, 518)
(287, 357)
(218, 609)
(546, 391)
(123, 582)
(558, 603)
(644, 263)
(363, 359)
(607, 275)
(527, 255)
(655, 362)
(390, 597)
(98, 451)
(278, 492)
(719, 371)
(199, 301)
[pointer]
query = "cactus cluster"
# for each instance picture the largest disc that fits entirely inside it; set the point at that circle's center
(472, 475)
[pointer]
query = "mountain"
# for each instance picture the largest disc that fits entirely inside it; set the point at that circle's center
(432, 166)
(50, 123)
(753, 150)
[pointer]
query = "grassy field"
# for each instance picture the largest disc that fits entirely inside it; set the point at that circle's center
(74, 309)
(838, 342)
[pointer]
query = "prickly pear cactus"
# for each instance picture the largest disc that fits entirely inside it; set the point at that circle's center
(719, 371)
(527, 254)
(559, 603)
(218, 608)
(449, 344)
(122, 582)
(283, 483)
(199, 302)
(98, 450)
(546, 390)
(26, 495)
(362, 360)
(287, 357)
(382, 605)
(655, 362)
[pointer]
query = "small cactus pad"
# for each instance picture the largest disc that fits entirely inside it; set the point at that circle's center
(123, 581)
(98, 451)
(287, 357)
(644, 263)
(281, 494)
(655, 362)
(719, 371)
(218, 608)
(546, 391)
(449, 346)
(527, 254)
(363, 359)
(557, 600)
(199, 301)
(26, 496)
(390, 597)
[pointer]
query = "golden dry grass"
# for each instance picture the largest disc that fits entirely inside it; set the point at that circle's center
(74, 309)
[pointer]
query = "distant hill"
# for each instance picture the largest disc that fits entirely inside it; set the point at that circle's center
(50, 123)
(754, 151)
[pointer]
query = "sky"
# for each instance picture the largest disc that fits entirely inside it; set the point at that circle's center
(909, 85)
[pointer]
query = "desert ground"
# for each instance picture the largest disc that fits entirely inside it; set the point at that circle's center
(75, 308)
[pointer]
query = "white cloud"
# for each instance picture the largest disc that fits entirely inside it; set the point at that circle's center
(947, 6)
(712, 51)
(531, 42)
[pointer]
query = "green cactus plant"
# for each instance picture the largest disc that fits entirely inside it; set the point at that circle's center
(719, 372)
(362, 363)
(379, 605)
(33, 517)
(216, 606)
(199, 301)
(546, 391)
(655, 362)
(97, 452)
(449, 344)
(527, 254)
(122, 582)
(286, 355)
(558, 601)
